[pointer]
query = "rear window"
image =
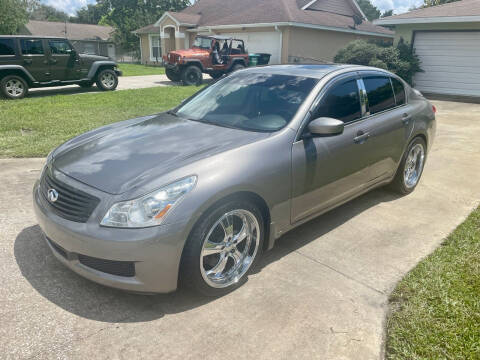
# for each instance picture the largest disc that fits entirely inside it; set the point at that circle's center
(6, 47)
(31, 47)
(379, 93)
(399, 90)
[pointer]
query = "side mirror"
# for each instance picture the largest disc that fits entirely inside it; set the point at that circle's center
(326, 126)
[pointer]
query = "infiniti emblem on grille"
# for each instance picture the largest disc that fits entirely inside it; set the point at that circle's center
(52, 195)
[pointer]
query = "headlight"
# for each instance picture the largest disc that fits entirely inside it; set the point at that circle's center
(149, 210)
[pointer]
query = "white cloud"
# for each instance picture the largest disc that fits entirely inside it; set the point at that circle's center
(398, 6)
(68, 6)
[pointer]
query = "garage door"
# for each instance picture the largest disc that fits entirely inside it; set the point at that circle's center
(450, 61)
(261, 42)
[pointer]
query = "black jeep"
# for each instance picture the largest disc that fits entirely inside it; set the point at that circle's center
(31, 61)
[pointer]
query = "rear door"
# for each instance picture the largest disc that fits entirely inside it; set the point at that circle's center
(34, 59)
(389, 122)
(329, 170)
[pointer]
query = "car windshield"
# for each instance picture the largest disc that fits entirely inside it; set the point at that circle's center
(202, 42)
(250, 101)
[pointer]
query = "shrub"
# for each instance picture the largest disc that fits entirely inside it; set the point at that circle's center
(400, 59)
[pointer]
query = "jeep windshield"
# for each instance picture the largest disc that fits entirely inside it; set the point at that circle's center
(202, 43)
(249, 101)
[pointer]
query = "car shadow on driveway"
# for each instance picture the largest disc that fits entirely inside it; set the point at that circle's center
(87, 299)
(68, 90)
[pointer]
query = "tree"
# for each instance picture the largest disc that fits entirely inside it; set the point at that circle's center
(13, 15)
(44, 12)
(387, 13)
(128, 15)
(370, 10)
(428, 3)
(400, 59)
(90, 14)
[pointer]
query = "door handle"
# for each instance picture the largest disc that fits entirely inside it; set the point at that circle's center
(406, 119)
(27, 61)
(361, 137)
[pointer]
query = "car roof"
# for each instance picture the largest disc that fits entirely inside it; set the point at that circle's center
(304, 70)
(31, 37)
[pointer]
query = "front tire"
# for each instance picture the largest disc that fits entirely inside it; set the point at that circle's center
(222, 248)
(411, 167)
(107, 80)
(172, 75)
(192, 75)
(13, 87)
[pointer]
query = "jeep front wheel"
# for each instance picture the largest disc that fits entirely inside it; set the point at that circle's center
(107, 80)
(192, 75)
(172, 75)
(13, 87)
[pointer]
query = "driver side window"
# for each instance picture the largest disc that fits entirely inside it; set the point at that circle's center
(59, 47)
(342, 102)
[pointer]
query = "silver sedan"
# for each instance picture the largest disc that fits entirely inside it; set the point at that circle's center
(195, 195)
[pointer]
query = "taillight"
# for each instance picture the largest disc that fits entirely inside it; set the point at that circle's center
(434, 109)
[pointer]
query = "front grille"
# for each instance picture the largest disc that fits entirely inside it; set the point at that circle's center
(57, 248)
(119, 268)
(72, 204)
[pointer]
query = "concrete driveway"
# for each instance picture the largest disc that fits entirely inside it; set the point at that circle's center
(321, 293)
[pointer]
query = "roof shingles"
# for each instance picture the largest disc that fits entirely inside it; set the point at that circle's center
(453, 9)
(73, 31)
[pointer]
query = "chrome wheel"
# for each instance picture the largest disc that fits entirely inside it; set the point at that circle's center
(414, 166)
(14, 88)
(229, 248)
(108, 80)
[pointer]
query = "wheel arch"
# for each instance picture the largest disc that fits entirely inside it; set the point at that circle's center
(196, 63)
(18, 71)
(99, 66)
(247, 195)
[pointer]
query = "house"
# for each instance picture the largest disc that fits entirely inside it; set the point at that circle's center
(86, 38)
(290, 30)
(447, 40)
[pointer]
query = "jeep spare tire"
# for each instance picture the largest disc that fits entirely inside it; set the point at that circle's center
(192, 75)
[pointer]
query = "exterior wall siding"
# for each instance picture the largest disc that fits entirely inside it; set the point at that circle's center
(311, 45)
(333, 6)
(407, 30)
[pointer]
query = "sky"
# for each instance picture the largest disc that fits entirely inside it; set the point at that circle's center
(399, 6)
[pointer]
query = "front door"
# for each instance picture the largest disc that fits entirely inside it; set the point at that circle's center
(64, 64)
(35, 59)
(331, 169)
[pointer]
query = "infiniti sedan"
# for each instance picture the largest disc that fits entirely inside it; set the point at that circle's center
(195, 195)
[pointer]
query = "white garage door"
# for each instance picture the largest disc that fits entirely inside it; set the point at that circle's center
(261, 42)
(450, 61)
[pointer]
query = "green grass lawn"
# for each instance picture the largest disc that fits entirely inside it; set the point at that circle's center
(33, 126)
(140, 70)
(435, 309)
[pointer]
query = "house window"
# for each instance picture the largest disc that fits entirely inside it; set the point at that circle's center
(155, 50)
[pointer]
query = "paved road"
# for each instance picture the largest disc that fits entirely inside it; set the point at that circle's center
(124, 83)
(321, 293)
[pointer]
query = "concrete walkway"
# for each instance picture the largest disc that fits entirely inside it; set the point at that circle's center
(124, 83)
(321, 293)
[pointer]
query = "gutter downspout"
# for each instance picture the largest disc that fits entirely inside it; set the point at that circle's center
(277, 29)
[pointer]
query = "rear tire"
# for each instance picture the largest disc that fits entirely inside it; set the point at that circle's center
(411, 167)
(199, 261)
(172, 75)
(238, 67)
(192, 75)
(13, 87)
(107, 80)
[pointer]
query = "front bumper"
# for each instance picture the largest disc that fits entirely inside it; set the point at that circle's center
(173, 67)
(153, 252)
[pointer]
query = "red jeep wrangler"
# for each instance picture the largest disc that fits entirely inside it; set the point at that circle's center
(213, 55)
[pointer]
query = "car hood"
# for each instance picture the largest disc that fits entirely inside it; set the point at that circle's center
(88, 57)
(191, 52)
(117, 158)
